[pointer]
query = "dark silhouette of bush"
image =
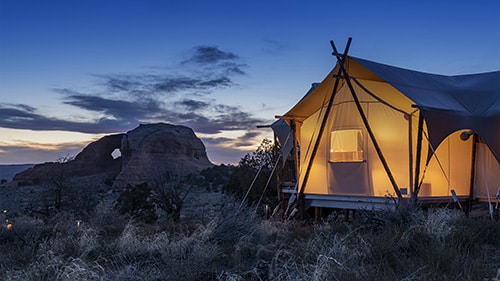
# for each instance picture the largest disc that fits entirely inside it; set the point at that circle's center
(264, 187)
(168, 193)
(135, 201)
(216, 177)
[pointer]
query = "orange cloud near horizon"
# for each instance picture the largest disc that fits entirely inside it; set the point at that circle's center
(29, 146)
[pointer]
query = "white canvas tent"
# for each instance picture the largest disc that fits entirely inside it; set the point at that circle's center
(369, 132)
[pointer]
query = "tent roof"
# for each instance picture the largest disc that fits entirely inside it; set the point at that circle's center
(432, 91)
(448, 103)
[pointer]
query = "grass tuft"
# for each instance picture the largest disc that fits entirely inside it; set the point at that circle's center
(401, 244)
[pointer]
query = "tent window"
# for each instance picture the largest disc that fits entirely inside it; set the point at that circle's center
(346, 146)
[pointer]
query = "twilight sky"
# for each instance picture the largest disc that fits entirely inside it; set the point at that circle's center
(73, 71)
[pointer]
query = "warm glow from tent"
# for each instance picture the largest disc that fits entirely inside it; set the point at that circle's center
(346, 146)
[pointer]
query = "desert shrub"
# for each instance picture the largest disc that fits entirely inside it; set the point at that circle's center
(105, 215)
(168, 193)
(68, 237)
(180, 257)
(437, 247)
(135, 202)
(405, 213)
(64, 194)
(134, 242)
(238, 245)
(214, 178)
(440, 223)
(240, 180)
(81, 198)
(132, 272)
(233, 223)
(486, 231)
(19, 242)
(49, 266)
(55, 249)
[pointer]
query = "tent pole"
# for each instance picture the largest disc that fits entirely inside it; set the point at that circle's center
(279, 178)
(322, 127)
(419, 155)
(410, 149)
(296, 155)
(472, 172)
(367, 125)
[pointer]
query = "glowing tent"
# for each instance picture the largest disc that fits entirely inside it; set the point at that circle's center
(369, 132)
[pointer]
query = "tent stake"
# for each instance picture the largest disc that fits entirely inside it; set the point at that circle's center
(367, 125)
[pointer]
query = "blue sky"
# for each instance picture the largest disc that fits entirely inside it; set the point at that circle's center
(72, 71)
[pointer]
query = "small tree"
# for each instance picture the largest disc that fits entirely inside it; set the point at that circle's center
(168, 193)
(56, 187)
(265, 156)
(264, 159)
(60, 180)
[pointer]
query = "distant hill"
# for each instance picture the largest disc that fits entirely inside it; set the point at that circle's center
(9, 171)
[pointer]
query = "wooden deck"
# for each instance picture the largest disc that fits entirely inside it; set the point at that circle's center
(367, 202)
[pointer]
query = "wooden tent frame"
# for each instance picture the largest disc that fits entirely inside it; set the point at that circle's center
(416, 176)
(343, 74)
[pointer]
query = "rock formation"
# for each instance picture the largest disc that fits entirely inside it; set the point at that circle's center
(150, 151)
(97, 157)
(94, 159)
(147, 152)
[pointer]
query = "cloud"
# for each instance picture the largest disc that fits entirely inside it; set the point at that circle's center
(121, 102)
(160, 84)
(210, 55)
(22, 144)
(206, 69)
(191, 104)
(17, 117)
(216, 140)
(33, 152)
(251, 135)
(211, 58)
(248, 139)
(116, 109)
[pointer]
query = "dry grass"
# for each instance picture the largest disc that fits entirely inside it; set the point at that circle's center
(238, 245)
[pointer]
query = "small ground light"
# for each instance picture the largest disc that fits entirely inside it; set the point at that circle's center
(5, 211)
(8, 225)
(78, 223)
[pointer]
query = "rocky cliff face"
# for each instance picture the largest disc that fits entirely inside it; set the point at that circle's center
(147, 152)
(151, 150)
(94, 159)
